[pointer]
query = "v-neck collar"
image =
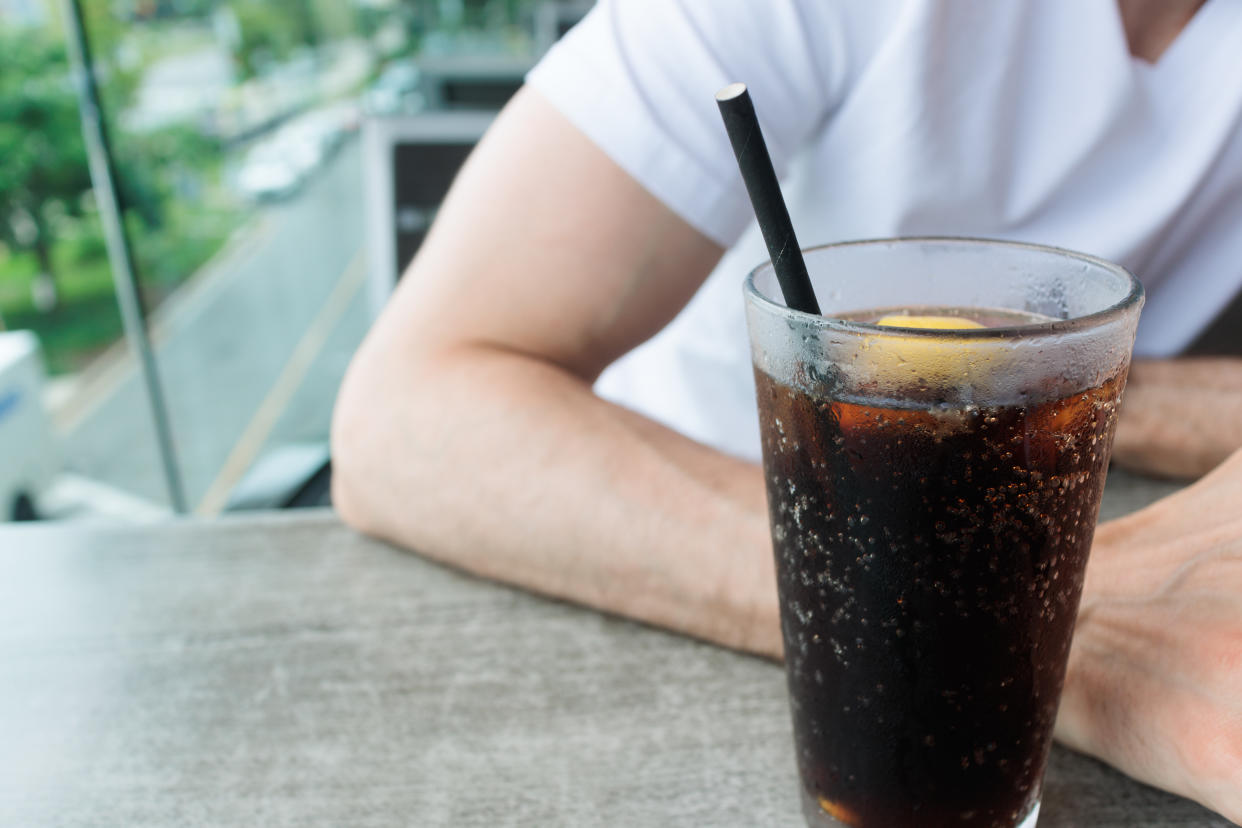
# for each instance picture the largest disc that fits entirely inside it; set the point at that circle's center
(1203, 56)
(1168, 47)
(1194, 45)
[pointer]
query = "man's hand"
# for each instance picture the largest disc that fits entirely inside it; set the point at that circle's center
(1180, 417)
(1155, 676)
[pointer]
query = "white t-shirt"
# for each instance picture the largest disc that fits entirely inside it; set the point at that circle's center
(1021, 119)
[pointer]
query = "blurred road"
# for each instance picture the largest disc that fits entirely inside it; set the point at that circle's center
(251, 353)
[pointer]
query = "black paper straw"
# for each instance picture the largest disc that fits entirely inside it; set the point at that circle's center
(765, 196)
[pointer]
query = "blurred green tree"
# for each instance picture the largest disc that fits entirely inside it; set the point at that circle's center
(43, 166)
(271, 30)
(43, 170)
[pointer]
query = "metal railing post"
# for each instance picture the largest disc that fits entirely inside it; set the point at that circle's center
(103, 179)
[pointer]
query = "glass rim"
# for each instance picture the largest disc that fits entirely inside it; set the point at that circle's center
(1057, 326)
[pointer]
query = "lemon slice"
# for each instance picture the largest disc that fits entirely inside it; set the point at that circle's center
(902, 359)
(928, 322)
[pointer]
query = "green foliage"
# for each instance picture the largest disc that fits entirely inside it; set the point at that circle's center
(370, 20)
(148, 164)
(271, 30)
(87, 320)
(334, 19)
(47, 222)
(171, 254)
(43, 167)
(486, 14)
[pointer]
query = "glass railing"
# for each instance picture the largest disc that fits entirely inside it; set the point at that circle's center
(233, 130)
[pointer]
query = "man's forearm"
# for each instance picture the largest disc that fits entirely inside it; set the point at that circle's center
(1180, 417)
(567, 495)
(628, 516)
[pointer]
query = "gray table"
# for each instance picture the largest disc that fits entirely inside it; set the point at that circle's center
(280, 670)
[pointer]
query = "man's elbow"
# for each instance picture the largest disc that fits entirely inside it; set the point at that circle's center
(344, 500)
(354, 423)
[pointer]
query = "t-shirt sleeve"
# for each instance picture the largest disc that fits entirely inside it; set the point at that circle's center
(639, 77)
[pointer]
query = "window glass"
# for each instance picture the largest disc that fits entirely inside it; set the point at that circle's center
(262, 239)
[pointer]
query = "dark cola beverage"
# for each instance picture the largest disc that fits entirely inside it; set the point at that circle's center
(930, 559)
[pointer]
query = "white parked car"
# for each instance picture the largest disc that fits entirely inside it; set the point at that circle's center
(276, 166)
(269, 172)
(304, 145)
(27, 453)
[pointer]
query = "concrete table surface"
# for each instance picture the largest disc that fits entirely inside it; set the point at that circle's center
(281, 670)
